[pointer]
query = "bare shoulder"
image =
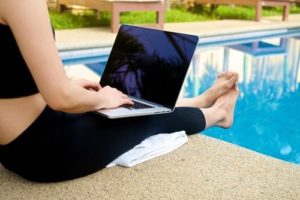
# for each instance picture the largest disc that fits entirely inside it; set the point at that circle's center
(16, 11)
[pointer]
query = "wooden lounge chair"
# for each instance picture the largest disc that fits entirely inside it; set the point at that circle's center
(118, 6)
(259, 4)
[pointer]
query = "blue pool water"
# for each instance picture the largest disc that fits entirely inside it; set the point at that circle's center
(267, 114)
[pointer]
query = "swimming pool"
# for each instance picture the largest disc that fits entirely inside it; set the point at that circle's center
(267, 112)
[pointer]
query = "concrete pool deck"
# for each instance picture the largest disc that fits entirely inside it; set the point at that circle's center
(204, 168)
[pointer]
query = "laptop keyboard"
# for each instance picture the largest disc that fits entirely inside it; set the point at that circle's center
(137, 105)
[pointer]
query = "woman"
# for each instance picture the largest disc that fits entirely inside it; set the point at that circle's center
(47, 130)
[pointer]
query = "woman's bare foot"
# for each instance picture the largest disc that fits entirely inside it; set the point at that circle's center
(224, 82)
(224, 108)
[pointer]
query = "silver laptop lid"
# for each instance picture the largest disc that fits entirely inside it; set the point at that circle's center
(149, 64)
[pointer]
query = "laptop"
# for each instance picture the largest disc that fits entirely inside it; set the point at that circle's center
(149, 66)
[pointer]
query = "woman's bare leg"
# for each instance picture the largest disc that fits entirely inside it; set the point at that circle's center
(221, 112)
(224, 82)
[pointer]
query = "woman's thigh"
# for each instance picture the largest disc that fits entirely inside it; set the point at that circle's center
(60, 146)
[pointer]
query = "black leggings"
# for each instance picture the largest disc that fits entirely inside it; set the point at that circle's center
(60, 146)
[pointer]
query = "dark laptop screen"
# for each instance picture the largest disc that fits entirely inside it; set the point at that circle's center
(149, 64)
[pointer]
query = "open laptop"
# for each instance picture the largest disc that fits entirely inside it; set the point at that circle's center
(149, 66)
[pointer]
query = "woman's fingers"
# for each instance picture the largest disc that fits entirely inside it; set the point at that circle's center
(114, 98)
(127, 101)
(89, 85)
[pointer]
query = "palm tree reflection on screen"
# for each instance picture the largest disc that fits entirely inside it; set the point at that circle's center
(142, 67)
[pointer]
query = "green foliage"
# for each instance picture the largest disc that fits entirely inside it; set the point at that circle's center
(233, 12)
(67, 20)
(182, 15)
(173, 15)
(295, 9)
(88, 18)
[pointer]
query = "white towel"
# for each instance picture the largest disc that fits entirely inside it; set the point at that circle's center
(151, 147)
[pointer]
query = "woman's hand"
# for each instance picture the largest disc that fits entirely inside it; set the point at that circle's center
(113, 98)
(89, 85)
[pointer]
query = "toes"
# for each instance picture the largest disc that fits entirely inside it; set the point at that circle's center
(222, 74)
(227, 74)
(231, 82)
(236, 75)
(233, 76)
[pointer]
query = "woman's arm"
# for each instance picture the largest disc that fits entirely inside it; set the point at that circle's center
(29, 21)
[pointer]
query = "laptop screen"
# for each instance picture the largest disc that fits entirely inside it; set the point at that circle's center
(149, 64)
